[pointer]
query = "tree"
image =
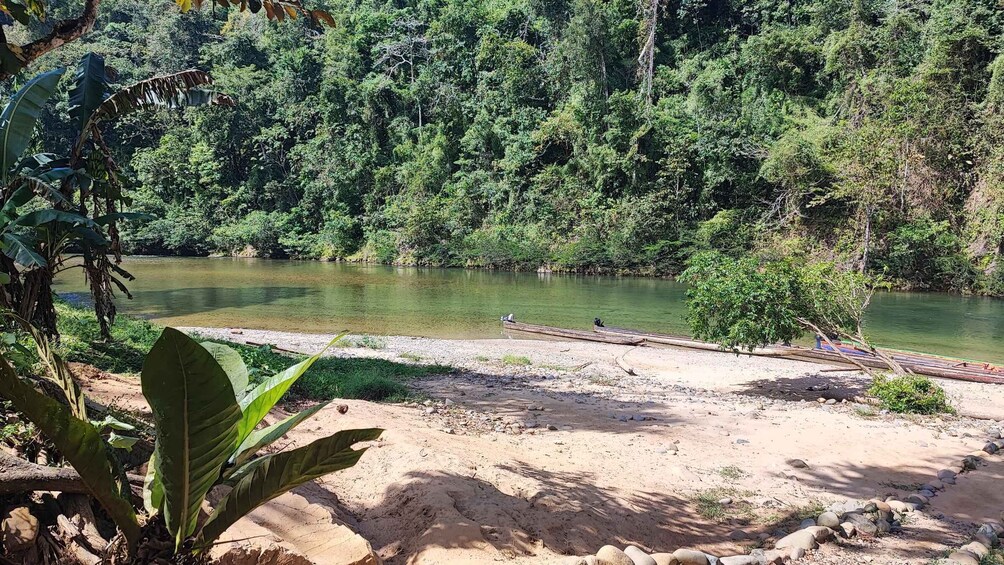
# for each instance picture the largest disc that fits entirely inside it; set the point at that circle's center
(14, 58)
(751, 301)
(82, 193)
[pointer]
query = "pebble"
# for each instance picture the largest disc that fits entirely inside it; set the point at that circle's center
(802, 539)
(665, 559)
(552, 427)
(638, 556)
(742, 442)
(431, 411)
(739, 560)
(738, 535)
(946, 474)
(848, 530)
(691, 557)
(610, 555)
(807, 523)
(798, 463)
(828, 519)
(725, 501)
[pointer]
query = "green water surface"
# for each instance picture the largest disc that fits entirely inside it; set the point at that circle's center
(320, 297)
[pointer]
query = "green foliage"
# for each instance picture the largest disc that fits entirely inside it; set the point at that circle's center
(365, 379)
(911, 394)
(753, 301)
(196, 417)
(745, 302)
(926, 254)
(446, 133)
(204, 436)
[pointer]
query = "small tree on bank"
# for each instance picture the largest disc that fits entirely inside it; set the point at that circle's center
(748, 302)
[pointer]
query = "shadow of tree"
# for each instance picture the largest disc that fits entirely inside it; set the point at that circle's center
(521, 398)
(810, 387)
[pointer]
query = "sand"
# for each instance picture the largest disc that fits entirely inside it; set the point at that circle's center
(522, 464)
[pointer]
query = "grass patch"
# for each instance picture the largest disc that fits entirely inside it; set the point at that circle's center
(80, 339)
(365, 379)
(482, 358)
(411, 357)
(363, 341)
(330, 377)
(911, 394)
(731, 472)
(516, 360)
(710, 507)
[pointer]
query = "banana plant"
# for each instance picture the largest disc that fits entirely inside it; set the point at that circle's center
(206, 421)
(77, 200)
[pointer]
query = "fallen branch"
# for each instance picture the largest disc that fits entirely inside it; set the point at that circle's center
(18, 475)
(623, 364)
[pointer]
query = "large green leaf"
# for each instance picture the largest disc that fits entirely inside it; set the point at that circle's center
(78, 441)
(257, 403)
(232, 363)
(17, 122)
(276, 474)
(21, 249)
(170, 91)
(260, 438)
(90, 88)
(49, 215)
(196, 416)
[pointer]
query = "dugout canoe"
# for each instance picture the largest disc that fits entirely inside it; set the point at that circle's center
(917, 363)
(571, 334)
(683, 341)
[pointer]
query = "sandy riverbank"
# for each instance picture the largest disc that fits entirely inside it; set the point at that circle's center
(523, 463)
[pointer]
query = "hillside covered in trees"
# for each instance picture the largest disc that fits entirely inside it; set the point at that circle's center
(586, 135)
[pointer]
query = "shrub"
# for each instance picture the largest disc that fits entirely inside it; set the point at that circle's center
(911, 394)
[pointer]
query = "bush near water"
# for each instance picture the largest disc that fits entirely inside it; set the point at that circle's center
(910, 394)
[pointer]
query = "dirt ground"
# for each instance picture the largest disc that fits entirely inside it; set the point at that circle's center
(503, 461)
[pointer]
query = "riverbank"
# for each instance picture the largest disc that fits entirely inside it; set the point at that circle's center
(532, 449)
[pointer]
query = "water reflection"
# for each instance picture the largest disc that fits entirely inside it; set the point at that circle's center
(329, 297)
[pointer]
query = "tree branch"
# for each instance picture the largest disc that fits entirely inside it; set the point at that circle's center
(62, 33)
(18, 476)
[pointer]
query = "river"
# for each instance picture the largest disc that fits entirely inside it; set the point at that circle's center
(310, 296)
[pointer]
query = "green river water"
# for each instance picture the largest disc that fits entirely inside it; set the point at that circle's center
(454, 303)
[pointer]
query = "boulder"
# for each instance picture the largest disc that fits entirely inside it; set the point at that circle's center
(977, 549)
(807, 523)
(987, 540)
(610, 555)
(828, 519)
(802, 539)
(739, 560)
(822, 534)
(691, 557)
(962, 558)
(638, 556)
(665, 559)
(992, 529)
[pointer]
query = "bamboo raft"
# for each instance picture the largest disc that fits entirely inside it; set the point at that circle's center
(916, 363)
